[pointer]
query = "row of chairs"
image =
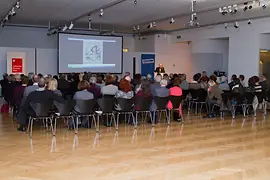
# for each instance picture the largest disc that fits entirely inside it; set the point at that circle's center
(89, 109)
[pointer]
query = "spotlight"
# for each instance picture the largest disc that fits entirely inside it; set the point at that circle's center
(134, 29)
(195, 16)
(226, 25)
(18, 5)
(262, 4)
(64, 28)
(12, 12)
(135, 1)
(89, 23)
(249, 22)
(71, 26)
(224, 11)
(101, 13)
(235, 9)
(150, 25)
(154, 24)
(236, 25)
(172, 21)
(138, 27)
(230, 9)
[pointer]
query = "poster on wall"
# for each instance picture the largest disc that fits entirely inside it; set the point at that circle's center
(148, 64)
(17, 65)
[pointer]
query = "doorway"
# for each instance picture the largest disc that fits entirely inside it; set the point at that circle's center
(264, 61)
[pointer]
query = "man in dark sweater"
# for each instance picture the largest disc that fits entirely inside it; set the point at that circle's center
(38, 96)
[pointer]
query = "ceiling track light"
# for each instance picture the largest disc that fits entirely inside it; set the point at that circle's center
(172, 21)
(236, 25)
(71, 26)
(101, 13)
(249, 22)
(226, 25)
(11, 12)
(262, 4)
(64, 28)
(18, 5)
(135, 1)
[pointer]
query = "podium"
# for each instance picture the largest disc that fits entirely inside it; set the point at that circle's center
(158, 73)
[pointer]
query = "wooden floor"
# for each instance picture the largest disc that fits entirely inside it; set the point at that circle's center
(199, 149)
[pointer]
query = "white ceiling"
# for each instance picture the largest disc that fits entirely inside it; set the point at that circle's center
(123, 16)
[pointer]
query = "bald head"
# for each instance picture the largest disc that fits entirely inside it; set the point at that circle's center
(41, 83)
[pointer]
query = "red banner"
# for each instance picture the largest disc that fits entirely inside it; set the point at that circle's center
(17, 65)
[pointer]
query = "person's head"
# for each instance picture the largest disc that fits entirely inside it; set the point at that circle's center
(25, 80)
(93, 80)
(62, 76)
(83, 85)
(36, 79)
(204, 79)
(145, 86)
(40, 75)
(52, 84)
(56, 77)
(158, 78)
(213, 78)
(233, 77)
(99, 79)
(125, 85)
(211, 83)
(241, 77)
(223, 79)
(163, 83)
(12, 77)
(166, 77)
(110, 79)
(49, 75)
(256, 79)
(137, 76)
(127, 74)
(42, 83)
(196, 77)
(251, 81)
(17, 78)
(22, 75)
(264, 76)
(160, 65)
(149, 76)
(171, 75)
(128, 78)
(236, 81)
(5, 76)
(183, 77)
(176, 82)
(204, 73)
(30, 75)
(117, 78)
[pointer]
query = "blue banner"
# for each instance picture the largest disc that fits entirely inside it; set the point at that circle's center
(148, 64)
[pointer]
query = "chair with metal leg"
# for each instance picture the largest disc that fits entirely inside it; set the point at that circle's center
(162, 103)
(86, 109)
(124, 107)
(42, 111)
(142, 105)
(177, 105)
(64, 112)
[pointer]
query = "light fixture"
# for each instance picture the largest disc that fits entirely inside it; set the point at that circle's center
(13, 12)
(154, 24)
(249, 22)
(224, 11)
(236, 25)
(90, 23)
(150, 25)
(135, 1)
(235, 9)
(138, 27)
(172, 21)
(134, 28)
(246, 6)
(101, 13)
(71, 26)
(64, 28)
(18, 5)
(226, 25)
(262, 4)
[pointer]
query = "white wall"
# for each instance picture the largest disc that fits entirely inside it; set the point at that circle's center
(244, 43)
(176, 57)
(265, 41)
(212, 46)
(145, 44)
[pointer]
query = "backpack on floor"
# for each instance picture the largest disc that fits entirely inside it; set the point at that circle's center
(4, 108)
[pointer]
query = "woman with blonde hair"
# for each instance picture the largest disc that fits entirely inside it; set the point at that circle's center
(52, 86)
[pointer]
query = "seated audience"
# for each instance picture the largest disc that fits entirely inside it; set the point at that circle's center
(204, 82)
(144, 91)
(30, 77)
(175, 90)
(109, 88)
(52, 86)
(184, 84)
(224, 86)
(242, 78)
(100, 81)
(5, 86)
(195, 83)
(33, 87)
(204, 75)
(96, 90)
(156, 84)
(231, 84)
(264, 82)
(40, 95)
(82, 94)
(63, 84)
(251, 85)
(19, 90)
(125, 91)
(238, 88)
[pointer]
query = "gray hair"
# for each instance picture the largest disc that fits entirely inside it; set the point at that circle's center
(163, 82)
(93, 80)
(158, 78)
(31, 75)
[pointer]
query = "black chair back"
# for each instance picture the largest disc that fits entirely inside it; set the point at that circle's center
(66, 108)
(185, 93)
(143, 103)
(161, 102)
(126, 105)
(194, 94)
(176, 101)
(86, 107)
(201, 95)
(108, 102)
(249, 96)
(260, 96)
(42, 109)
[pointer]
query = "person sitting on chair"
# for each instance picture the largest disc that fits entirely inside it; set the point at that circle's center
(160, 69)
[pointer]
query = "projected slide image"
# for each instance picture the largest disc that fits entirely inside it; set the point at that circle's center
(93, 52)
